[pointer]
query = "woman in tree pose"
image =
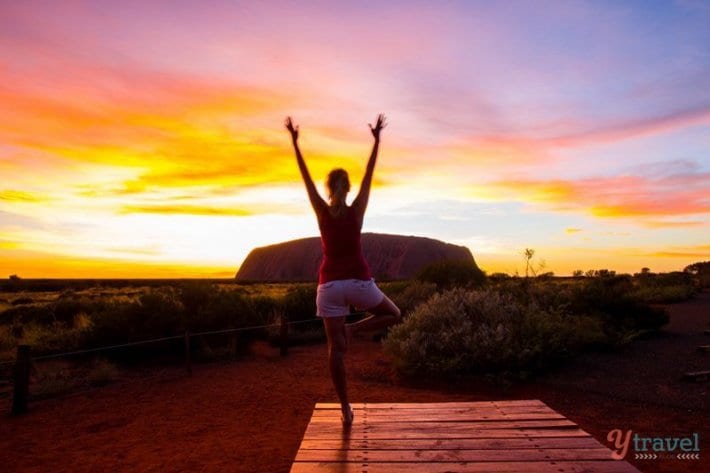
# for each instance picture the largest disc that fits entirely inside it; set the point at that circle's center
(344, 277)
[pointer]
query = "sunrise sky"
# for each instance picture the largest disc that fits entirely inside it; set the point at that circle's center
(146, 139)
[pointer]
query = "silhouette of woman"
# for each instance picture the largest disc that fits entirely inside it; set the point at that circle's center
(344, 277)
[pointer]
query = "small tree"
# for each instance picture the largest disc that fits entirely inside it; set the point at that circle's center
(528, 254)
(701, 271)
(448, 274)
(14, 282)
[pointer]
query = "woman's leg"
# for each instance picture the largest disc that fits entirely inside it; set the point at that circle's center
(337, 347)
(385, 314)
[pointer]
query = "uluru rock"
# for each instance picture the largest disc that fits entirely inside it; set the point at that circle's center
(389, 257)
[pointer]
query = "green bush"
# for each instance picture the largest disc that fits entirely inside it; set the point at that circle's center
(612, 299)
(28, 314)
(66, 309)
(53, 338)
(663, 294)
(299, 303)
(448, 274)
(156, 314)
(22, 301)
(485, 331)
(664, 288)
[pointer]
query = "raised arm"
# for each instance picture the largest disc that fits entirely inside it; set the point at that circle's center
(317, 202)
(360, 202)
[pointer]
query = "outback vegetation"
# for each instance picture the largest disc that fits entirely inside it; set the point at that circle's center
(457, 320)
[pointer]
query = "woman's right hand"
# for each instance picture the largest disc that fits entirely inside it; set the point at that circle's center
(378, 126)
(291, 128)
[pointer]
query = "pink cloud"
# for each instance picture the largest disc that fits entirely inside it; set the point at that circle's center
(616, 197)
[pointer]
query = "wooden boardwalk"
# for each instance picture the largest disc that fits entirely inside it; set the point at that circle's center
(453, 437)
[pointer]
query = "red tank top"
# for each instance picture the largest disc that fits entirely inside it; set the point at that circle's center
(342, 250)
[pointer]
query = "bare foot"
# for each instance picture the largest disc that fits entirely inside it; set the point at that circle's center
(347, 415)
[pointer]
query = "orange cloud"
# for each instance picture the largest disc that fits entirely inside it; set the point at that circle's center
(243, 210)
(20, 196)
(187, 209)
(700, 253)
(614, 197)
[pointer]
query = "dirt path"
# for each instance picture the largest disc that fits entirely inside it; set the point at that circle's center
(249, 416)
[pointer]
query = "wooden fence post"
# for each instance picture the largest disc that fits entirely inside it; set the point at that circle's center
(21, 376)
(188, 357)
(284, 335)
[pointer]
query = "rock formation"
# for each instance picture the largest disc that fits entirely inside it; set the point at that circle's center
(389, 257)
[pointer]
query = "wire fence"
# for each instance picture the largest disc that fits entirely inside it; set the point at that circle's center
(155, 340)
(24, 362)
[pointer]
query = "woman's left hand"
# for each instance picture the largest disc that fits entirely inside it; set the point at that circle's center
(291, 128)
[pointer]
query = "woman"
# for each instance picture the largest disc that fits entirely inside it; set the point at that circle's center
(344, 278)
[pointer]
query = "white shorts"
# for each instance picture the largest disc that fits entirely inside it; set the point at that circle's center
(335, 297)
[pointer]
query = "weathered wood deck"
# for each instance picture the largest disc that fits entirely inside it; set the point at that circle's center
(498, 436)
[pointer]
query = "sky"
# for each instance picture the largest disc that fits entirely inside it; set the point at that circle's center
(146, 139)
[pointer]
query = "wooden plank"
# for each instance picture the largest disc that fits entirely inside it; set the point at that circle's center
(445, 417)
(487, 410)
(458, 434)
(451, 444)
(418, 405)
(433, 456)
(447, 408)
(596, 466)
(451, 410)
(440, 426)
(697, 375)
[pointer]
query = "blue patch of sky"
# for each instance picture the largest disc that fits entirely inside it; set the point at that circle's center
(687, 148)
(459, 220)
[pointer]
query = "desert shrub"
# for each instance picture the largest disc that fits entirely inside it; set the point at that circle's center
(194, 295)
(484, 331)
(65, 309)
(448, 274)
(230, 309)
(664, 288)
(664, 294)
(22, 301)
(8, 342)
(156, 314)
(499, 277)
(54, 338)
(299, 303)
(263, 307)
(612, 299)
(28, 314)
(700, 271)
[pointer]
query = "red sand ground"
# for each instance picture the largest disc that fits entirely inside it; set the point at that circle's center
(250, 415)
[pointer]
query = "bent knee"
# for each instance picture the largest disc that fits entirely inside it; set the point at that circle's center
(396, 313)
